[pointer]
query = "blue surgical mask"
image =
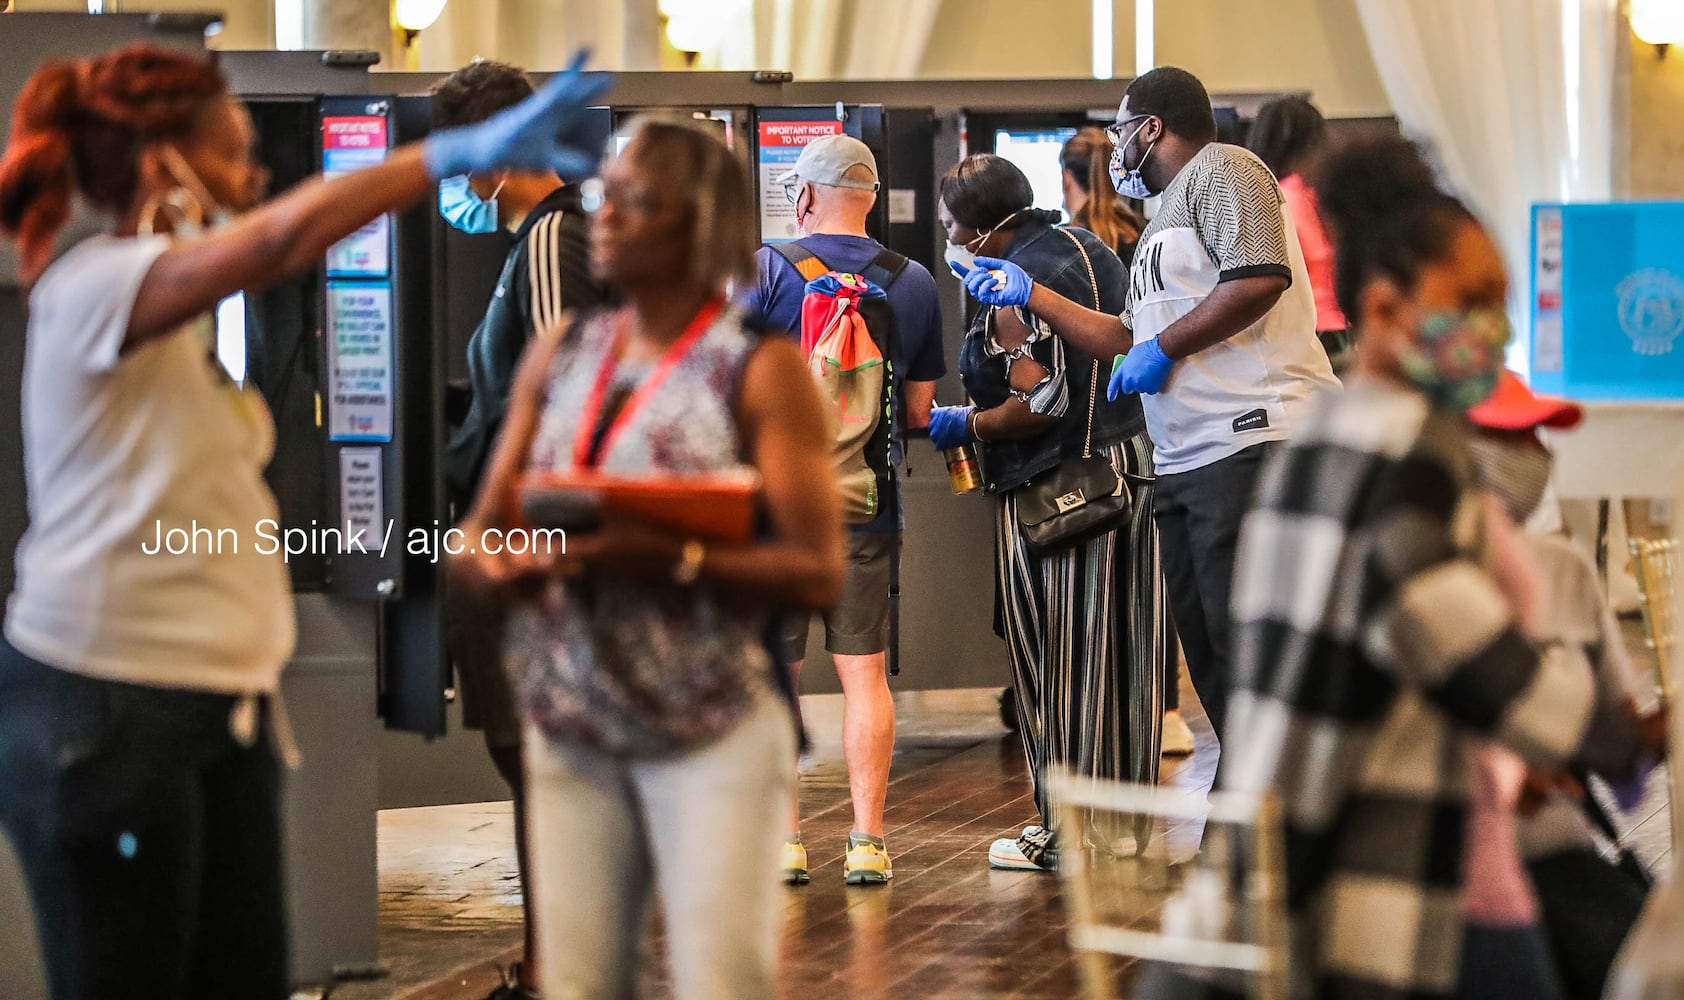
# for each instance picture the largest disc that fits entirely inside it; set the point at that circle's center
(465, 210)
(1128, 182)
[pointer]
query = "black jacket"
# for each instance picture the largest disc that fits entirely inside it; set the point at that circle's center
(1052, 260)
(547, 271)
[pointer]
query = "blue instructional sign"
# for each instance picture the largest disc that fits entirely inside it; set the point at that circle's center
(1608, 301)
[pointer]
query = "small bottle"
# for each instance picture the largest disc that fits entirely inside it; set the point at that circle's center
(962, 472)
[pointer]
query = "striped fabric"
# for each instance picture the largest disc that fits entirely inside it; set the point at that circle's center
(549, 251)
(1087, 629)
(1372, 648)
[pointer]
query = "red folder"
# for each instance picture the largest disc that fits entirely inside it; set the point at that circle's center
(715, 507)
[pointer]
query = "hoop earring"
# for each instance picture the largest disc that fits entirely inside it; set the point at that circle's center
(177, 200)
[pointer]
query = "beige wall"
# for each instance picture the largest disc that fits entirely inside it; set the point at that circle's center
(1233, 45)
(247, 24)
(1264, 45)
(1656, 122)
(1007, 39)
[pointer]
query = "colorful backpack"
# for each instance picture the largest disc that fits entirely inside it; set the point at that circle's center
(847, 333)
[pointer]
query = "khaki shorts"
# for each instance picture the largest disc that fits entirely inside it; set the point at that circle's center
(859, 626)
(474, 628)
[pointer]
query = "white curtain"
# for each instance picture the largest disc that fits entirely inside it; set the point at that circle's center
(1515, 99)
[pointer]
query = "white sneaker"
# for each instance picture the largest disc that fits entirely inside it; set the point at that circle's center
(1177, 735)
(1036, 850)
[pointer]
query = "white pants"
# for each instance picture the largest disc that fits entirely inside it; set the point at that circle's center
(704, 828)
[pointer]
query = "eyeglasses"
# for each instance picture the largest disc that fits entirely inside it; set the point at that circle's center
(595, 195)
(1114, 131)
(792, 190)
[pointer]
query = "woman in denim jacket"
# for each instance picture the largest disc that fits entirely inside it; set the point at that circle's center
(1086, 625)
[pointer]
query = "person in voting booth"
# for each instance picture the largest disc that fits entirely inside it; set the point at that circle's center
(660, 734)
(1383, 607)
(1084, 616)
(138, 705)
(1218, 337)
(546, 272)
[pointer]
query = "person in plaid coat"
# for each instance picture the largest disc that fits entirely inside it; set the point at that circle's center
(1380, 600)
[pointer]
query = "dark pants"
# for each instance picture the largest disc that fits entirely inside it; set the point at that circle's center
(1588, 907)
(150, 838)
(1506, 963)
(1199, 515)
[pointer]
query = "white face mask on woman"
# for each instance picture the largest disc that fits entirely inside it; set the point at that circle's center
(963, 257)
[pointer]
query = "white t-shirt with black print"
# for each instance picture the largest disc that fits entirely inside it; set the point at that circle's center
(1222, 219)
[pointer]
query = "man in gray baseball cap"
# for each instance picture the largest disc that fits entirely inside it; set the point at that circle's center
(835, 161)
(833, 188)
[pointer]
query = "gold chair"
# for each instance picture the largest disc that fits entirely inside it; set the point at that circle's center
(1199, 886)
(1656, 562)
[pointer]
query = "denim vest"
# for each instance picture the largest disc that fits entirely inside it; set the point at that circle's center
(1052, 260)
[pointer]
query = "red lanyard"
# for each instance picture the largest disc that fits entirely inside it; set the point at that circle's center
(587, 431)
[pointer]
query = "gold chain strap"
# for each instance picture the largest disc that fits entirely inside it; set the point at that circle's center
(1093, 381)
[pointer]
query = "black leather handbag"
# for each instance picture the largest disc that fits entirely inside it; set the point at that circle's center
(1080, 498)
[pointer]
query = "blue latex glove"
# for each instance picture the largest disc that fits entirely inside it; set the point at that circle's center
(996, 282)
(1145, 368)
(948, 426)
(543, 132)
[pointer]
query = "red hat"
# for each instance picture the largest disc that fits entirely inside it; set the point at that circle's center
(1513, 407)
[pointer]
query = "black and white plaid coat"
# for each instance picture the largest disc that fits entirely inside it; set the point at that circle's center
(1372, 648)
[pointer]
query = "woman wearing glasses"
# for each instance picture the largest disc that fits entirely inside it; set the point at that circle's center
(660, 742)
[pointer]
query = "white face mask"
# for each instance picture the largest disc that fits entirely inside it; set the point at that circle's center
(964, 256)
(958, 256)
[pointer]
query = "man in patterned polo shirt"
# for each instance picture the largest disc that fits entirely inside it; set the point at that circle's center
(1219, 338)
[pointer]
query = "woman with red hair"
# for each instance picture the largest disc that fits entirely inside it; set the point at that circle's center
(136, 777)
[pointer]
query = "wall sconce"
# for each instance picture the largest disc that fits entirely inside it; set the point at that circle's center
(1658, 22)
(411, 17)
(694, 26)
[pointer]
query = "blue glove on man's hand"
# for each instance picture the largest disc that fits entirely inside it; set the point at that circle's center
(1145, 368)
(996, 282)
(544, 132)
(948, 426)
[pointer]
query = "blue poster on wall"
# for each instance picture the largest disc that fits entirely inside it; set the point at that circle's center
(1608, 300)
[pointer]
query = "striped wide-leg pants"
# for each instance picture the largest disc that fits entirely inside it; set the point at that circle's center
(1089, 635)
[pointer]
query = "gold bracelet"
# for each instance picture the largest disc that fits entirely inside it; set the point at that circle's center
(689, 567)
(971, 425)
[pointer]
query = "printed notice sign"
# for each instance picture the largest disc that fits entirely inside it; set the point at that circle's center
(360, 505)
(1548, 328)
(359, 346)
(352, 143)
(780, 146)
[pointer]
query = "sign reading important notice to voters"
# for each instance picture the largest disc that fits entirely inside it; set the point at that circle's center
(359, 360)
(780, 146)
(352, 143)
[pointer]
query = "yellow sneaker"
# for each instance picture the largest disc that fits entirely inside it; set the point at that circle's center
(795, 863)
(867, 862)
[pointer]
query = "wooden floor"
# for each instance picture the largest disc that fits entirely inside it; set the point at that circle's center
(948, 927)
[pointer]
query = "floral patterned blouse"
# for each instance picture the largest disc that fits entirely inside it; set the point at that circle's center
(636, 668)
